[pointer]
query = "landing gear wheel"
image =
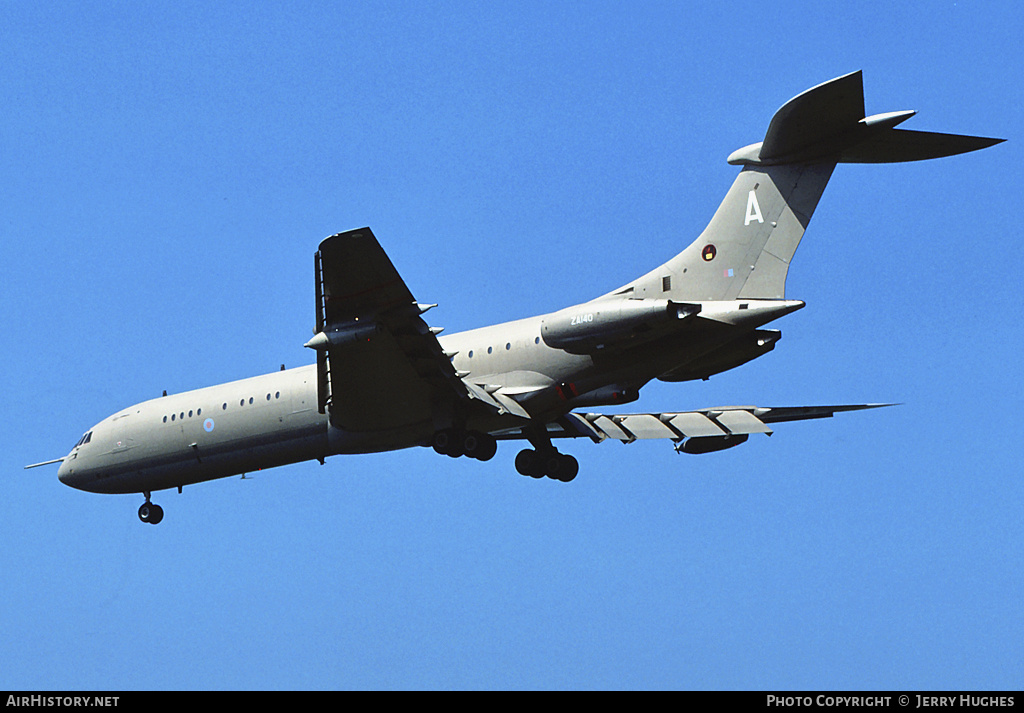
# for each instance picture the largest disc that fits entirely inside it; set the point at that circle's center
(528, 462)
(448, 442)
(552, 465)
(481, 446)
(151, 513)
(568, 468)
(555, 465)
(454, 442)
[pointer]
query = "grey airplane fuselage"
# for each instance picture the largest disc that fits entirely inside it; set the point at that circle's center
(272, 420)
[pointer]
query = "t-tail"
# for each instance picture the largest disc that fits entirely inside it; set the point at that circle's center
(746, 249)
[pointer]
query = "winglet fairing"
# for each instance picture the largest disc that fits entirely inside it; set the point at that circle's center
(385, 380)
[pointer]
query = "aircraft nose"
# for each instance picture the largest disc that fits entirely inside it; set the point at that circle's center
(63, 472)
(66, 474)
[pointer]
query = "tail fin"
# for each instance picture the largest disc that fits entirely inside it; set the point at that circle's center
(746, 249)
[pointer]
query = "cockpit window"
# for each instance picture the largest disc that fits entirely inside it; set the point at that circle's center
(84, 439)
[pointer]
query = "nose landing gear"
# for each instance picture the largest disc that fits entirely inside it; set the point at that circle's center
(150, 512)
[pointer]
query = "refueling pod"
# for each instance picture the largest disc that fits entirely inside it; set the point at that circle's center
(711, 444)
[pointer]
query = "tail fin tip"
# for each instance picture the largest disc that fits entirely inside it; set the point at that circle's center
(827, 124)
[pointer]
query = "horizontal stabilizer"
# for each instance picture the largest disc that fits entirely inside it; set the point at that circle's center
(897, 145)
(826, 124)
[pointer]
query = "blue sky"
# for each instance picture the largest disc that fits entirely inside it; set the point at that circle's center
(168, 170)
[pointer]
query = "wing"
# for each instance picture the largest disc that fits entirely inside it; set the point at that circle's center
(693, 431)
(380, 365)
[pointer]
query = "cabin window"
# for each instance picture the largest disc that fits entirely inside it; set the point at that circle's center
(277, 395)
(190, 413)
(250, 399)
(470, 353)
(490, 349)
(508, 345)
(224, 407)
(172, 416)
(165, 419)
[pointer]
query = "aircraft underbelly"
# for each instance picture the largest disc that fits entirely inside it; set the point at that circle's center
(342, 442)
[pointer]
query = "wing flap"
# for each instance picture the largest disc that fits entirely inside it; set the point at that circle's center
(694, 424)
(510, 404)
(740, 422)
(645, 426)
(610, 429)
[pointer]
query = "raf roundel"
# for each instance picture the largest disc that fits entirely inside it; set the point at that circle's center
(208, 425)
(708, 253)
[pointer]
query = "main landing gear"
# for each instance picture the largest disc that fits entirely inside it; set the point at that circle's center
(150, 512)
(544, 460)
(455, 442)
(547, 462)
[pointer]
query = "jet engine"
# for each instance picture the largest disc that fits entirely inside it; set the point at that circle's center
(729, 356)
(594, 325)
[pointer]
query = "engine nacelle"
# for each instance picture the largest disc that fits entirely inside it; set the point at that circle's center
(710, 444)
(748, 347)
(586, 327)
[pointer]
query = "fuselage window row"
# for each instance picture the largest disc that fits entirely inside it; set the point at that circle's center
(508, 347)
(199, 412)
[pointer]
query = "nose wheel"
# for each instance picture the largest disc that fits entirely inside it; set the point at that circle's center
(150, 512)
